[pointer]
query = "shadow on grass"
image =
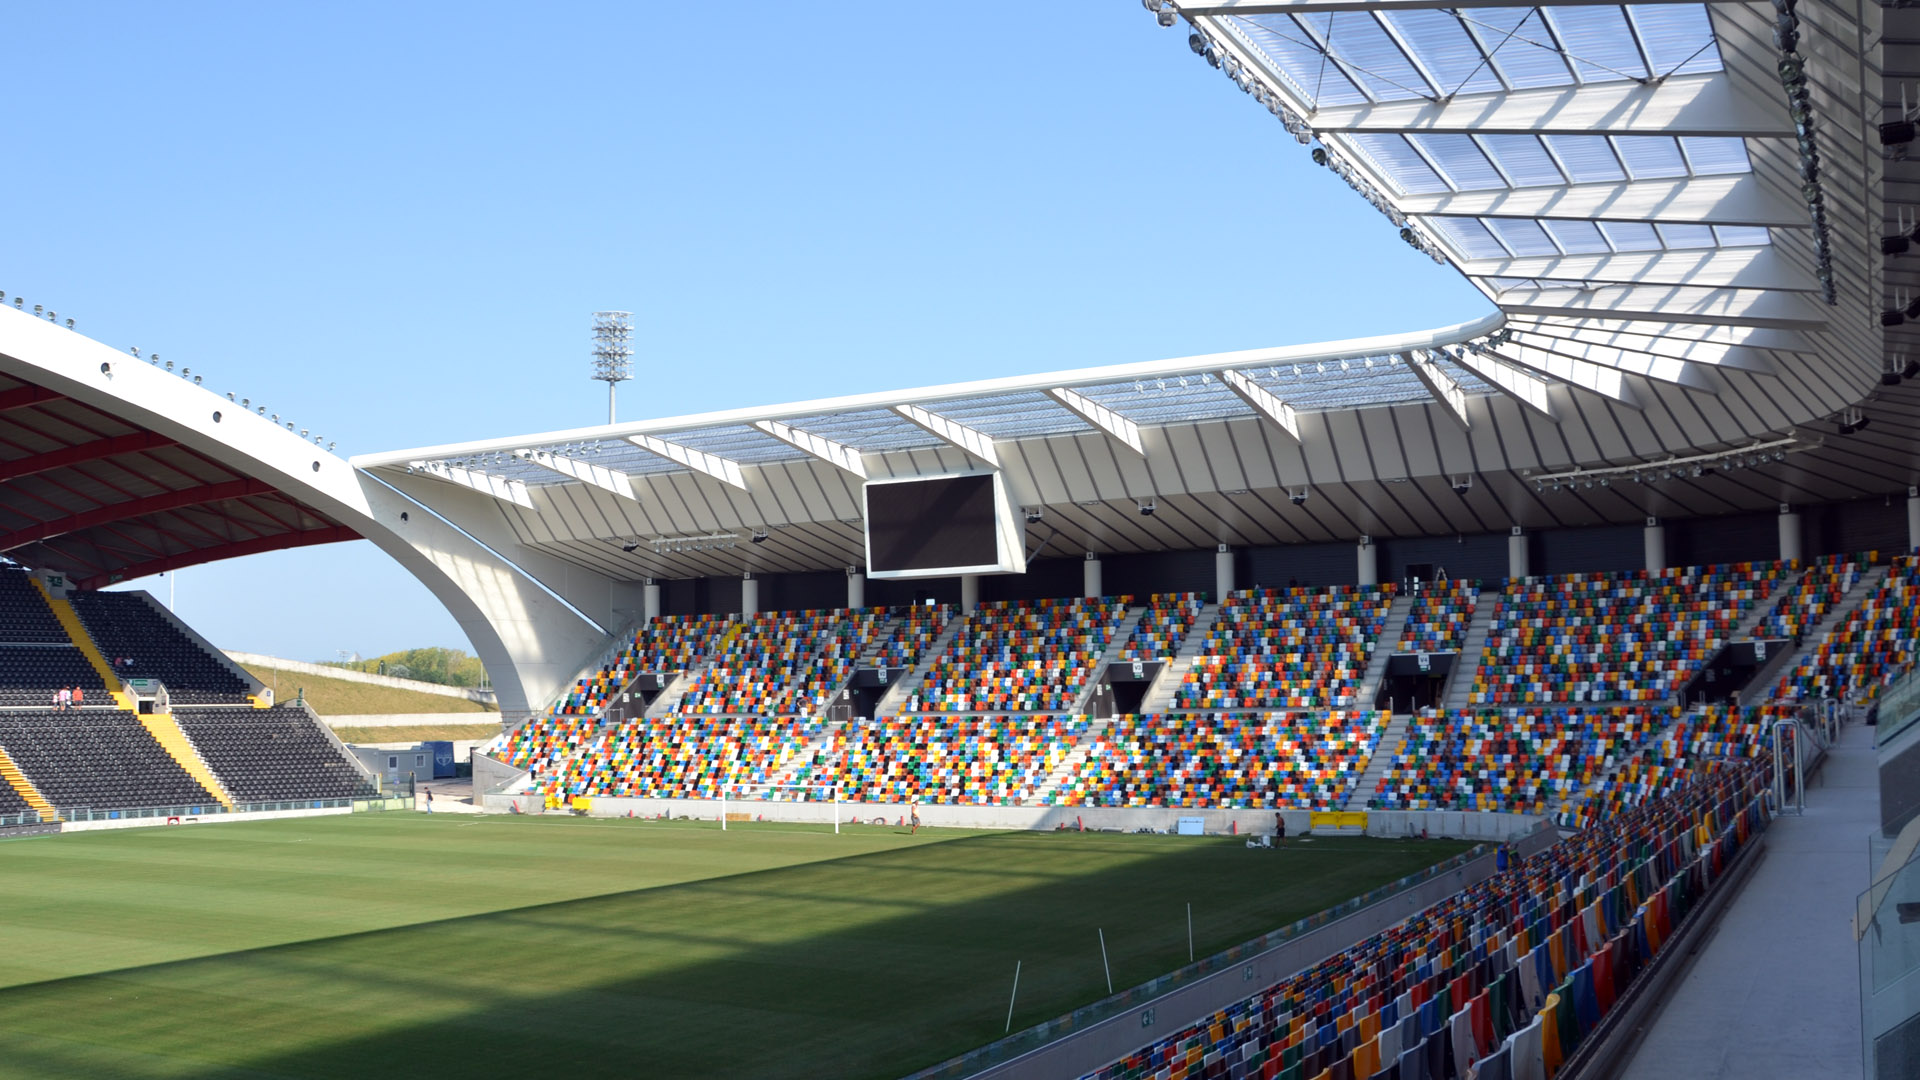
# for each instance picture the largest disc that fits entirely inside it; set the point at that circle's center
(867, 966)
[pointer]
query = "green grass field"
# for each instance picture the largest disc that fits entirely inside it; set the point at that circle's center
(402, 945)
(341, 697)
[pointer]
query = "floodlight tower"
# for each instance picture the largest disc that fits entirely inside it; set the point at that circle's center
(612, 356)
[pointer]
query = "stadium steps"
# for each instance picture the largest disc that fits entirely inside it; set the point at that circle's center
(1048, 790)
(24, 788)
(258, 698)
(1159, 696)
(1473, 650)
(1766, 680)
(166, 731)
(1384, 647)
(1743, 630)
(896, 695)
(1383, 751)
(675, 692)
(1116, 653)
(77, 633)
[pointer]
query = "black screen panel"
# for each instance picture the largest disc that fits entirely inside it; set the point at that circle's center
(931, 524)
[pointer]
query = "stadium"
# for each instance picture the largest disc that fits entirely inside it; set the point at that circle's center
(1528, 697)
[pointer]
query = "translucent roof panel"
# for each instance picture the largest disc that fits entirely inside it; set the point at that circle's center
(1524, 50)
(1461, 160)
(1686, 236)
(1631, 235)
(1524, 159)
(1651, 157)
(872, 430)
(1522, 236)
(1470, 238)
(1599, 42)
(1577, 237)
(1586, 159)
(1011, 415)
(1442, 45)
(1742, 235)
(1402, 165)
(1370, 56)
(1293, 53)
(1678, 38)
(1715, 155)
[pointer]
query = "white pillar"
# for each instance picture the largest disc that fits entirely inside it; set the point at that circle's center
(1913, 518)
(1369, 562)
(650, 601)
(1090, 577)
(1656, 540)
(856, 590)
(1222, 573)
(1789, 533)
(969, 592)
(1517, 566)
(749, 595)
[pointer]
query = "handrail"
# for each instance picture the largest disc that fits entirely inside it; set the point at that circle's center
(1049, 1031)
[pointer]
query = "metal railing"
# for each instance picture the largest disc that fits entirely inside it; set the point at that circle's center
(199, 810)
(1899, 705)
(1126, 1000)
(14, 821)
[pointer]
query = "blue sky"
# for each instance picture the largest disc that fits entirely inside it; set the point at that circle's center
(391, 223)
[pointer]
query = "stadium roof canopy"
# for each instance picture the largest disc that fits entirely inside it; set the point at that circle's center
(1678, 220)
(1677, 210)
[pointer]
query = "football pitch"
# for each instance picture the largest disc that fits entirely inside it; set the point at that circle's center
(402, 945)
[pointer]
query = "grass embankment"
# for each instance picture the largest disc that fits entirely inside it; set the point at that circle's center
(412, 733)
(407, 946)
(338, 697)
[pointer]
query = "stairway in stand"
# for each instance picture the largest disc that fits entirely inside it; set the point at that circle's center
(77, 633)
(897, 694)
(1116, 651)
(166, 731)
(1743, 630)
(1767, 679)
(1466, 667)
(24, 788)
(1048, 791)
(1159, 696)
(1383, 754)
(674, 693)
(1384, 647)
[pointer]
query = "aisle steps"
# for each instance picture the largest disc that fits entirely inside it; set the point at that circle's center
(77, 633)
(167, 733)
(24, 788)
(1466, 667)
(1383, 752)
(1159, 696)
(1384, 647)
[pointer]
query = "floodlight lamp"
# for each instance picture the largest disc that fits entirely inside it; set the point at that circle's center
(69, 324)
(196, 380)
(1894, 245)
(1165, 18)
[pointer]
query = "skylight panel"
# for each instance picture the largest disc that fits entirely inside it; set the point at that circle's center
(1469, 237)
(1462, 161)
(1577, 237)
(1715, 155)
(1651, 157)
(1522, 46)
(1678, 38)
(1442, 45)
(1599, 42)
(1378, 63)
(1399, 163)
(1687, 236)
(1630, 235)
(1742, 235)
(1524, 159)
(1587, 158)
(1522, 236)
(1293, 52)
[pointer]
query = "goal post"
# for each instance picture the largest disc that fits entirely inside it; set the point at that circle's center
(735, 798)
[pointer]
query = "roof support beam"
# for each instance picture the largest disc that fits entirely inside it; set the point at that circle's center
(838, 455)
(1672, 303)
(1712, 353)
(959, 436)
(1708, 105)
(1439, 384)
(610, 480)
(1753, 337)
(1604, 381)
(1521, 386)
(305, 538)
(82, 453)
(1118, 428)
(1200, 8)
(1715, 268)
(1661, 368)
(725, 470)
(22, 396)
(499, 487)
(1263, 401)
(122, 511)
(1703, 200)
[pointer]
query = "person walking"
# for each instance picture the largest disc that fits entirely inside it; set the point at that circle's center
(429, 800)
(914, 809)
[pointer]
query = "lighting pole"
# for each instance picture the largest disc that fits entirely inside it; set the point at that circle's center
(612, 356)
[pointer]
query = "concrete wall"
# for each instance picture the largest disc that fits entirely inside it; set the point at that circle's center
(484, 697)
(208, 819)
(1449, 824)
(492, 775)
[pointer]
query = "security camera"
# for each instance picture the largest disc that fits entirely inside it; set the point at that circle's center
(1298, 498)
(630, 547)
(1033, 515)
(1147, 509)
(1462, 485)
(760, 536)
